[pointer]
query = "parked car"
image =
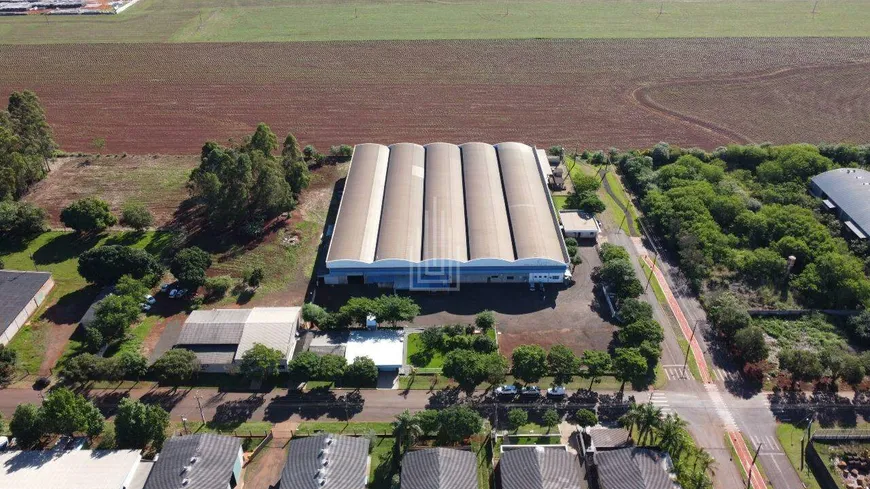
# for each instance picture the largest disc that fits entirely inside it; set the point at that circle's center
(556, 392)
(506, 390)
(530, 391)
(150, 299)
(173, 293)
(181, 293)
(164, 287)
(145, 307)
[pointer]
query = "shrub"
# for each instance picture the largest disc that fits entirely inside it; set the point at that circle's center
(313, 313)
(217, 287)
(485, 320)
(136, 215)
(88, 215)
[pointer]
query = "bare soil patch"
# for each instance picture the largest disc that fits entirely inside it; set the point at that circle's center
(169, 98)
(155, 180)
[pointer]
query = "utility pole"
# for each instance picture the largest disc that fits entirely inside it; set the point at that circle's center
(199, 403)
(184, 424)
(651, 271)
(749, 479)
(689, 348)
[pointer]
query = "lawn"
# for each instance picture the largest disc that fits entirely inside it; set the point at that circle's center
(343, 428)
(57, 252)
(559, 201)
(654, 283)
(243, 428)
(416, 350)
(305, 20)
(789, 436)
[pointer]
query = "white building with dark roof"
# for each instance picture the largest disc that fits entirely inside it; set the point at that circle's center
(21, 294)
(846, 191)
(71, 469)
(202, 461)
(539, 467)
(439, 468)
(220, 337)
(327, 462)
(431, 217)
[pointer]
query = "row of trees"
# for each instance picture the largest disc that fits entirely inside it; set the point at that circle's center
(64, 412)
(746, 209)
(450, 425)
(115, 314)
(617, 273)
(362, 372)
(387, 308)
(584, 196)
(26, 144)
(93, 215)
(243, 186)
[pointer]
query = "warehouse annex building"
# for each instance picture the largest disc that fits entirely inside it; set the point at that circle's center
(846, 191)
(21, 294)
(434, 216)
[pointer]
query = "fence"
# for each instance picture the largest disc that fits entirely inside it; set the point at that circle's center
(815, 461)
(801, 312)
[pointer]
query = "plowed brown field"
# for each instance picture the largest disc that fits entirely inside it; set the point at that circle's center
(169, 98)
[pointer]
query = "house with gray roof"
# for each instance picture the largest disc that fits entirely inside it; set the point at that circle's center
(846, 191)
(326, 462)
(220, 337)
(21, 293)
(632, 468)
(203, 461)
(540, 467)
(439, 468)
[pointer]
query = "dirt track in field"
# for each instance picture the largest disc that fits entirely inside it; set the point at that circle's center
(169, 98)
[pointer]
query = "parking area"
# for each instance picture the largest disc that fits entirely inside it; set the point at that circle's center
(558, 315)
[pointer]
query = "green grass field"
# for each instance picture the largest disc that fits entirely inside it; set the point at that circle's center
(308, 20)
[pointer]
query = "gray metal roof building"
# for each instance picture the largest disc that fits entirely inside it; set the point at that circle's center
(203, 461)
(847, 191)
(326, 462)
(539, 468)
(439, 468)
(426, 216)
(632, 468)
(21, 293)
(220, 337)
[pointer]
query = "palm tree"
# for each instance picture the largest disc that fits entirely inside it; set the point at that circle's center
(704, 460)
(650, 417)
(406, 431)
(671, 434)
(630, 418)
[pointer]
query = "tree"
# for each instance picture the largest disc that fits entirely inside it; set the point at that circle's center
(133, 364)
(255, 276)
(586, 183)
(860, 326)
(28, 121)
(260, 362)
(297, 175)
(485, 320)
(529, 363)
(631, 418)
(597, 363)
(8, 359)
(632, 310)
(584, 201)
(802, 364)
(586, 418)
(129, 286)
(330, 367)
(67, 413)
(135, 215)
(763, 266)
(358, 309)
(263, 140)
(727, 313)
(26, 425)
(432, 338)
(177, 365)
(563, 364)
(494, 368)
(361, 372)
(82, 368)
(853, 370)
(139, 426)
(628, 365)
(619, 277)
(189, 266)
(551, 418)
(114, 315)
(88, 215)
(644, 330)
(106, 264)
(458, 423)
(750, 345)
(392, 309)
(406, 431)
(650, 418)
(291, 149)
(312, 313)
(465, 367)
(303, 366)
(429, 420)
(20, 221)
(672, 434)
(517, 418)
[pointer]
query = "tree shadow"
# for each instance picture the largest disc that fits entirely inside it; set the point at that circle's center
(71, 307)
(167, 399)
(446, 397)
(126, 238)
(229, 415)
(65, 247)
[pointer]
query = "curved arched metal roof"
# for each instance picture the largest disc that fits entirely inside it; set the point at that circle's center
(848, 189)
(401, 229)
(444, 233)
(489, 234)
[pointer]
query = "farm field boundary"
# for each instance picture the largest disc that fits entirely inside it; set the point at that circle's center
(334, 20)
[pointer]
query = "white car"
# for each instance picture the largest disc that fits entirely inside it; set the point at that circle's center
(145, 307)
(173, 293)
(164, 287)
(150, 299)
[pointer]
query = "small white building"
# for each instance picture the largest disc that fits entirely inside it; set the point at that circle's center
(21, 294)
(72, 469)
(386, 347)
(579, 225)
(220, 337)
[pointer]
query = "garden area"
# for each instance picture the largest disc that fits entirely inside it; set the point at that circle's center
(426, 350)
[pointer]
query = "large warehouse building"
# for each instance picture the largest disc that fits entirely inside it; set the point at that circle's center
(846, 191)
(434, 216)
